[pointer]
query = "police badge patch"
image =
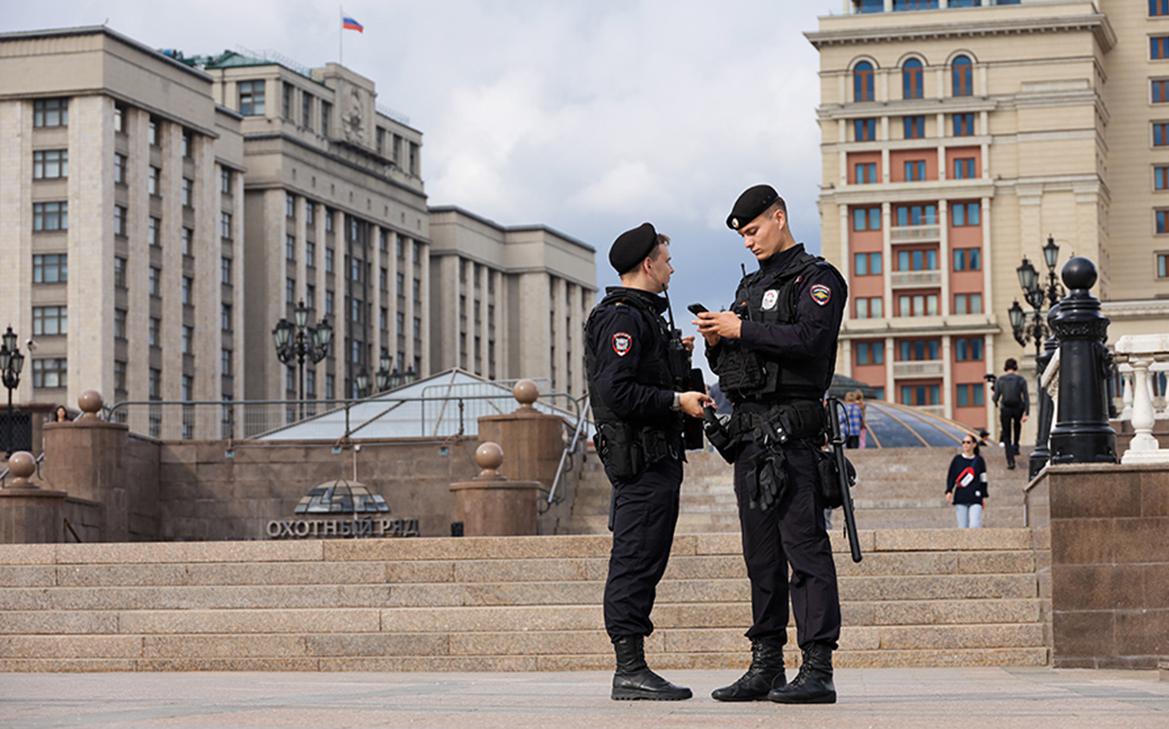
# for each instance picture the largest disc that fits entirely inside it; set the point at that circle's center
(622, 343)
(821, 294)
(769, 298)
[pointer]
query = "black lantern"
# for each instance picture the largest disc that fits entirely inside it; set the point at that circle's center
(1051, 253)
(11, 364)
(298, 340)
(1027, 275)
(362, 383)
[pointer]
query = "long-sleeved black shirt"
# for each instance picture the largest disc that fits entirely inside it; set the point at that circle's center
(967, 479)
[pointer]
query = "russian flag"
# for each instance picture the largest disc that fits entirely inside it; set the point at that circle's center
(348, 23)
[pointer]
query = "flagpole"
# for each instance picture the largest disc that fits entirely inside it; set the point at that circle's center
(340, 36)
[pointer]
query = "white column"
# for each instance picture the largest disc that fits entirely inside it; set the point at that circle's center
(988, 350)
(887, 255)
(947, 378)
(1126, 391)
(944, 255)
(987, 279)
(890, 383)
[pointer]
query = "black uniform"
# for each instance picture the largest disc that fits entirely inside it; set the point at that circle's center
(777, 373)
(639, 440)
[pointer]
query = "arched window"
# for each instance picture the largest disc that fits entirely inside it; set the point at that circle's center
(962, 76)
(862, 81)
(911, 79)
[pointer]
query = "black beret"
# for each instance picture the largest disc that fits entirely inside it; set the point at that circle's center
(632, 246)
(750, 204)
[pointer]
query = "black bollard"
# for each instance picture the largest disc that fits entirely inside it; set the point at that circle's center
(1044, 404)
(1082, 433)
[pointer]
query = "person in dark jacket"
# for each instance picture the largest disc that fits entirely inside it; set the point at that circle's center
(966, 485)
(1010, 396)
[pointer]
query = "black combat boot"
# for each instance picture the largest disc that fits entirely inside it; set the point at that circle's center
(813, 684)
(634, 680)
(764, 674)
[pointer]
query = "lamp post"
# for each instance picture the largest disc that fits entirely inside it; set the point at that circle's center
(298, 340)
(362, 381)
(11, 363)
(1035, 329)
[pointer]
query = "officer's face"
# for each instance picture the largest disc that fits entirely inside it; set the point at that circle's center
(658, 267)
(763, 236)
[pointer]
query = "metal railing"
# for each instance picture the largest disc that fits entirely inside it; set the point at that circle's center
(569, 451)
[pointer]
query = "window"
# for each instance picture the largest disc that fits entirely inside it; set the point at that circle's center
(1161, 177)
(862, 219)
(50, 113)
(914, 126)
(225, 323)
(328, 220)
(50, 321)
(119, 169)
(251, 98)
(971, 395)
(967, 259)
(154, 384)
(185, 339)
(870, 353)
(914, 170)
(899, 5)
(355, 311)
(962, 76)
(310, 254)
(310, 296)
(965, 214)
(288, 96)
(119, 272)
(49, 373)
(225, 226)
(1163, 265)
(870, 308)
(186, 388)
(328, 260)
(920, 259)
(152, 132)
(119, 119)
(330, 387)
(290, 291)
(50, 216)
(917, 305)
(1160, 134)
(864, 130)
(306, 110)
(186, 235)
(968, 349)
(155, 281)
(187, 192)
(326, 112)
(290, 248)
(917, 350)
(1160, 91)
(187, 285)
(920, 394)
(328, 303)
(963, 124)
(290, 206)
(120, 325)
(50, 268)
(912, 79)
(865, 172)
(867, 264)
(1163, 221)
(50, 164)
(920, 214)
(225, 362)
(185, 145)
(1159, 47)
(1158, 7)
(963, 168)
(152, 180)
(225, 270)
(153, 225)
(863, 78)
(967, 303)
(153, 332)
(224, 181)
(120, 221)
(310, 212)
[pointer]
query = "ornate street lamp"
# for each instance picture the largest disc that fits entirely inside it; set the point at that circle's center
(297, 340)
(384, 375)
(362, 384)
(11, 364)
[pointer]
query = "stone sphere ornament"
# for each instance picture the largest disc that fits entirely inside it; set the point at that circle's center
(489, 457)
(90, 404)
(1079, 273)
(22, 465)
(526, 392)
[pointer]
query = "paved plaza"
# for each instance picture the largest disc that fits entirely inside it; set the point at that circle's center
(881, 697)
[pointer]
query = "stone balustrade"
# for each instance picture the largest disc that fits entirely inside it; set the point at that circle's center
(1139, 358)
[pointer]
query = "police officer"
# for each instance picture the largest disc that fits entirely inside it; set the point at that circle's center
(775, 352)
(638, 412)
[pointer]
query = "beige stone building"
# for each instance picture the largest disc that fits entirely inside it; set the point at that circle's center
(514, 299)
(336, 217)
(121, 221)
(957, 136)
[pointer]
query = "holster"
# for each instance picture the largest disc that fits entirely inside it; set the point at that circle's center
(831, 483)
(773, 427)
(626, 450)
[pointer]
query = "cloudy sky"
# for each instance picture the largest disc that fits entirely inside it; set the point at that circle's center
(588, 116)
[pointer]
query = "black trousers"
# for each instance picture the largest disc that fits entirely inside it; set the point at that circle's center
(792, 532)
(1011, 424)
(644, 517)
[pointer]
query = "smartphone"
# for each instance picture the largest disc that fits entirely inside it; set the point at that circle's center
(696, 309)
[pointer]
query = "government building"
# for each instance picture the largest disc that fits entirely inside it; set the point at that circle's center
(161, 212)
(956, 138)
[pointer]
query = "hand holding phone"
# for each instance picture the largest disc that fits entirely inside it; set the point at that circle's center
(696, 309)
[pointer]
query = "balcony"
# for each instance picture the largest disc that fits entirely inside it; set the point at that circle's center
(915, 234)
(936, 410)
(918, 369)
(916, 279)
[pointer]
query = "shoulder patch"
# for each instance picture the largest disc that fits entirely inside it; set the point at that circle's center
(622, 343)
(821, 294)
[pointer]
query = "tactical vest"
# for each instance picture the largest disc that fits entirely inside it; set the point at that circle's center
(787, 378)
(653, 366)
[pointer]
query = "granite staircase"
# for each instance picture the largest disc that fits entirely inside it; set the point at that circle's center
(921, 597)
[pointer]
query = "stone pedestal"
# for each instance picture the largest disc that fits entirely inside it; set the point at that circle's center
(493, 506)
(533, 441)
(31, 516)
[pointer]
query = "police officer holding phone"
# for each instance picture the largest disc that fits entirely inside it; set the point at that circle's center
(774, 353)
(639, 412)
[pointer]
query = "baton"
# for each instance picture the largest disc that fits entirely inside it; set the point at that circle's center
(834, 405)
